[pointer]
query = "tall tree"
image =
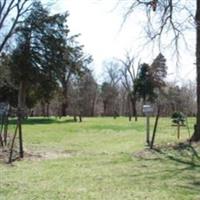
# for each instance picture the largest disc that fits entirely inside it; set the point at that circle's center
(75, 62)
(109, 94)
(179, 98)
(109, 88)
(172, 18)
(11, 14)
(8, 89)
(196, 135)
(88, 91)
(158, 71)
(144, 84)
(40, 42)
(150, 79)
(128, 78)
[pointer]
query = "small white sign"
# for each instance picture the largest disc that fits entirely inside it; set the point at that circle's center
(147, 109)
(4, 107)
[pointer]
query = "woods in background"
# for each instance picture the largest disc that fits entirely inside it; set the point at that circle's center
(47, 72)
(87, 97)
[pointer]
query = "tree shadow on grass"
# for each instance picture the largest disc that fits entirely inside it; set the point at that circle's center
(178, 164)
(116, 127)
(40, 121)
(182, 153)
(184, 156)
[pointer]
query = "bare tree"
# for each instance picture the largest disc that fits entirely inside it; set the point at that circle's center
(109, 89)
(75, 63)
(172, 18)
(11, 13)
(179, 98)
(128, 76)
(112, 72)
(82, 95)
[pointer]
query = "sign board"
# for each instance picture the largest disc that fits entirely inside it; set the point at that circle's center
(4, 108)
(147, 109)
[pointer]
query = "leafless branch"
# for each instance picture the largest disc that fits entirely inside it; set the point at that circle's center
(8, 8)
(167, 24)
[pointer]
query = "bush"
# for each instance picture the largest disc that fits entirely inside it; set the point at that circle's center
(178, 118)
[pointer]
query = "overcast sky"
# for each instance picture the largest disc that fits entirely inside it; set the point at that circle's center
(100, 27)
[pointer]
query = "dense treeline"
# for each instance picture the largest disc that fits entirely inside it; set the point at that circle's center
(46, 72)
(45, 59)
(121, 93)
(177, 98)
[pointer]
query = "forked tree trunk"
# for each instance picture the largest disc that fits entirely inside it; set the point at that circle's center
(196, 135)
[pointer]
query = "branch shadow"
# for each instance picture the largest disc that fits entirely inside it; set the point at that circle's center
(184, 170)
(40, 121)
(181, 158)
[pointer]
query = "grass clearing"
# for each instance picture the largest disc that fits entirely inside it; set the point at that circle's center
(100, 159)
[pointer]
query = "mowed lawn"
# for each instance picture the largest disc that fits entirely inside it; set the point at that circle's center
(101, 158)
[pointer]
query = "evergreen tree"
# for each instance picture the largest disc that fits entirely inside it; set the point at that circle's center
(151, 79)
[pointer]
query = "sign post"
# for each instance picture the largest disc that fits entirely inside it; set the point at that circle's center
(4, 108)
(147, 110)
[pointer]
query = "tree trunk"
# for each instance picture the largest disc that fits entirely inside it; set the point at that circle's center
(64, 103)
(47, 109)
(21, 105)
(104, 107)
(64, 109)
(5, 130)
(115, 114)
(129, 108)
(196, 135)
(133, 102)
(155, 128)
(1, 131)
(75, 118)
(31, 113)
(65, 85)
(12, 144)
(93, 106)
(80, 118)
(148, 130)
(43, 108)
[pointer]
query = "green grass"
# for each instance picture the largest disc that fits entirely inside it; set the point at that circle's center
(103, 159)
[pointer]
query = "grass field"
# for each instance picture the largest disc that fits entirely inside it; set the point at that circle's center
(101, 158)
